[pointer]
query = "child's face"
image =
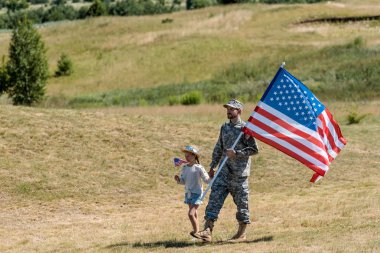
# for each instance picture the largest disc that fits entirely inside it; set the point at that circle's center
(190, 157)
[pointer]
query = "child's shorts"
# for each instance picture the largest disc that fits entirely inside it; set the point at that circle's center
(193, 198)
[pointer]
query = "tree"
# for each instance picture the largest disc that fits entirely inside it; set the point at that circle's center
(64, 66)
(96, 9)
(27, 67)
(14, 5)
(3, 77)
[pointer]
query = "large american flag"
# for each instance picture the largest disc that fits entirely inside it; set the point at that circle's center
(290, 118)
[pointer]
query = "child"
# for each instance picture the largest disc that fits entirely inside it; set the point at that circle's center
(191, 176)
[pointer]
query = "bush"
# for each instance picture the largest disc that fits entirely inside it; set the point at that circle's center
(197, 4)
(64, 66)
(97, 9)
(354, 118)
(14, 5)
(173, 100)
(191, 98)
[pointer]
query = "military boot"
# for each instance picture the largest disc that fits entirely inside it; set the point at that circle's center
(240, 234)
(206, 234)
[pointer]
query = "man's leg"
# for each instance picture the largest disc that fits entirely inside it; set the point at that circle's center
(240, 192)
(218, 194)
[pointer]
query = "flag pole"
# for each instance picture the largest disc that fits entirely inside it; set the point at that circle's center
(282, 65)
(220, 167)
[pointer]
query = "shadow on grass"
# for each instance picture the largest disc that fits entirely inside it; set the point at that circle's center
(183, 244)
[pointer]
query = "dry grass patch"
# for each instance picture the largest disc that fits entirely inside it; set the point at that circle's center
(101, 181)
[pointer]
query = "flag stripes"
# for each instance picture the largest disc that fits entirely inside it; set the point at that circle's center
(314, 149)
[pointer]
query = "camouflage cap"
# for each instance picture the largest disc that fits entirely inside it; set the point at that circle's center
(234, 103)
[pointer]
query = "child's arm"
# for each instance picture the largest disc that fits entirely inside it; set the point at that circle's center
(204, 175)
(180, 179)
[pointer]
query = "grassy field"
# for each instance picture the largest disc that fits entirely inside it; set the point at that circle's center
(101, 181)
(112, 53)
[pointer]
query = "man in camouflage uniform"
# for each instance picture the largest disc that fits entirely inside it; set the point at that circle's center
(233, 177)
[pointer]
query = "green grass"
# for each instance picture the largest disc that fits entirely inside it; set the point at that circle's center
(345, 72)
(230, 44)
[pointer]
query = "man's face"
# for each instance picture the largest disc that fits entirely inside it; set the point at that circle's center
(232, 113)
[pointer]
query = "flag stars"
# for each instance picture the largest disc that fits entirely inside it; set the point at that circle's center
(281, 92)
(288, 108)
(271, 99)
(277, 98)
(286, 103)
(275, 93)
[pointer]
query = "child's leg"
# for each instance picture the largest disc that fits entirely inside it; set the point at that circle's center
(193, 217)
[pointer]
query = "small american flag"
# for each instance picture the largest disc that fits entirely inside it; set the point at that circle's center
(291, 119)
(179, 162)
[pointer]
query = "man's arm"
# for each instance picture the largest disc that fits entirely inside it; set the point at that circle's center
(218, 151)
(250, 147)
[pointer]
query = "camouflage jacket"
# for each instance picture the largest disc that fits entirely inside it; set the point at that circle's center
(241, 164)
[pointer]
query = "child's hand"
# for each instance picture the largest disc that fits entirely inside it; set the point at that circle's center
(176, 177)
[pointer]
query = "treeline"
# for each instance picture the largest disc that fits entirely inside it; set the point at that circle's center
(59, 9)
(97, 8)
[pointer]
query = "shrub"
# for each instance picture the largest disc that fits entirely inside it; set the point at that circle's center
(173, 100)
(354, 118)
(197, 4)
(64, 66)
(191, 98)
(97, 9)
(14, 5)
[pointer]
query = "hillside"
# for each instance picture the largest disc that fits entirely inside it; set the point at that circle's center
(101, 181)
(237, 44)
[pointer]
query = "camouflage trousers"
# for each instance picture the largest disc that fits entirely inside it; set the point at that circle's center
(224, 184)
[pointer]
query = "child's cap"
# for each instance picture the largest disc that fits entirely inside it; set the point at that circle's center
(191, 149)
